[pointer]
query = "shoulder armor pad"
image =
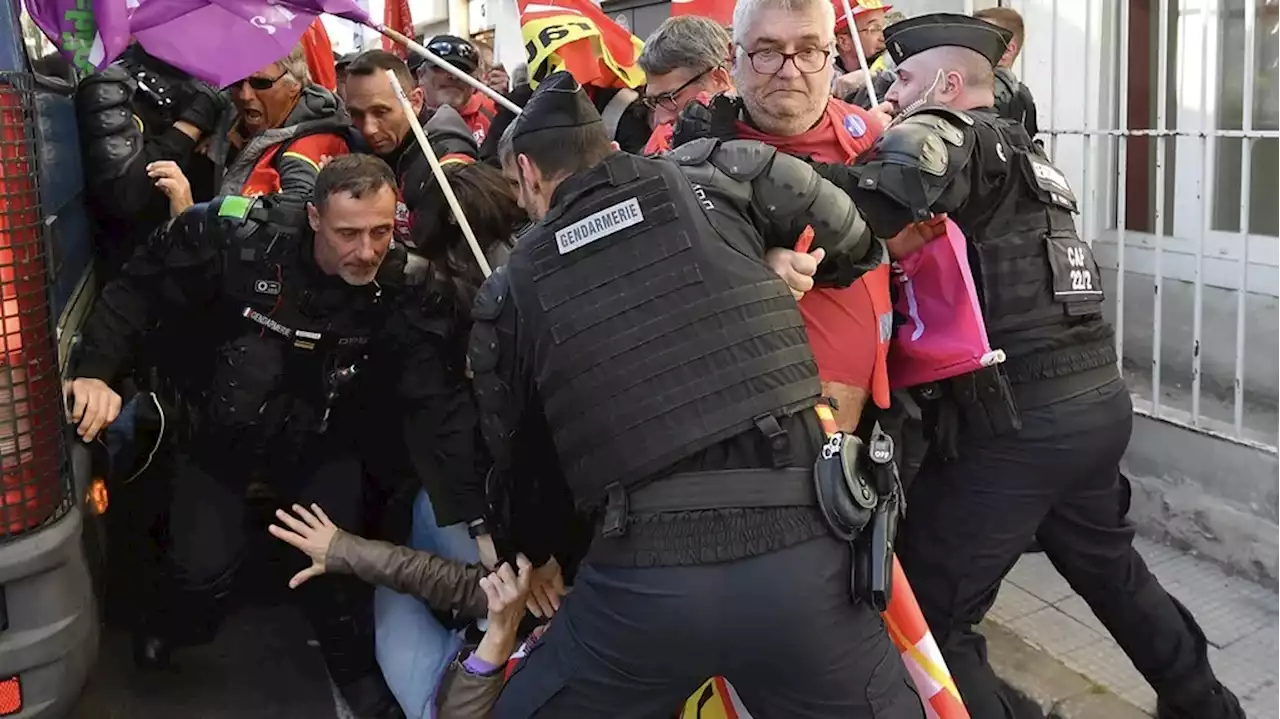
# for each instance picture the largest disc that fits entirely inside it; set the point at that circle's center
(694, 152)
(925, 139)
(743, 160)
(492, 296)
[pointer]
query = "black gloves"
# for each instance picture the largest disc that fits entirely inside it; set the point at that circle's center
(717, 120)
(204, 106)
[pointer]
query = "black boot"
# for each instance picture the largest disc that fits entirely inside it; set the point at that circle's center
(1217, 702)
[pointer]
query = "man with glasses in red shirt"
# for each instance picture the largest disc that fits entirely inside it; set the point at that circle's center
(685, 57)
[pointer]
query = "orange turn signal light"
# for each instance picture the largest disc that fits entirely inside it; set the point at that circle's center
(96, 498)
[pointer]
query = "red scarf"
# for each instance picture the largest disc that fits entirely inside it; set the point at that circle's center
(844, 132)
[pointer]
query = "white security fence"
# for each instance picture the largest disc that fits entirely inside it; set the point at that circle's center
(1164, 115)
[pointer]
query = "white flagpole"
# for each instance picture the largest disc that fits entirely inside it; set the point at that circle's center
(444, 65)
(439, 174)
(862, 55)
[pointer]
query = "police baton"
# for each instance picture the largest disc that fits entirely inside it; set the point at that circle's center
(862, 54)
(436, 170)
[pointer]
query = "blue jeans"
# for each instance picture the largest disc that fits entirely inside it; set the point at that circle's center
(413, 648)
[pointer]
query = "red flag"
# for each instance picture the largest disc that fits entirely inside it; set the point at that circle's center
(576, 36)
(395, 15)
(719, 10)
(315, 43)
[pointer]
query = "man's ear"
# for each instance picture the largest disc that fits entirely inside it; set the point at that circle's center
(313, 217)
(417, 98)
(529, 174)
(721, 79)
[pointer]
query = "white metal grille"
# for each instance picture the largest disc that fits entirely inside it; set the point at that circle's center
(1090, 62)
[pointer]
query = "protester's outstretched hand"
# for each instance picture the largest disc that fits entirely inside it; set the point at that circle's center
(311, 532)
(546, 590)
(172, 181)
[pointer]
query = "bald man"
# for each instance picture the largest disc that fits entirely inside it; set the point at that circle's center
(1029, 448)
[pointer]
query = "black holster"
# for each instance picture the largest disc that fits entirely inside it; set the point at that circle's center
(872, 580)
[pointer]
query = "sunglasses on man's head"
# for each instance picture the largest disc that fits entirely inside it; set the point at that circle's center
(257, 83)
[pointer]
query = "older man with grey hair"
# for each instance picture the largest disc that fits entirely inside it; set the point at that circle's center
(282, 127)
(685, 56)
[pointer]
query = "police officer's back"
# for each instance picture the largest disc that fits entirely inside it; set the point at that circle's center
(1029, 448)
(638, 345)
(274, 303)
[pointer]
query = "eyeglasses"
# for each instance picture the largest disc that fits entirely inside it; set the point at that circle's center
(667, 100)
(260, 84)
(770, 62)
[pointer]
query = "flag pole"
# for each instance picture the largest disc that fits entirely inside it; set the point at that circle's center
(862, 54)
(438, 171)
(436, 60)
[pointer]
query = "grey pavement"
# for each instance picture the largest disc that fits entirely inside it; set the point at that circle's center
(1239, 619)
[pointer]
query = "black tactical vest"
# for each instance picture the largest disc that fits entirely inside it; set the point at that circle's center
(1039, 283)
(288, 339)
(658, 339)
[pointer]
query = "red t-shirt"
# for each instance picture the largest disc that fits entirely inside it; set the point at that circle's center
(848, 328)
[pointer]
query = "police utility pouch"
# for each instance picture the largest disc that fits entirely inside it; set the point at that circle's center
(1077, 285)
(846, 498)
(984, 399)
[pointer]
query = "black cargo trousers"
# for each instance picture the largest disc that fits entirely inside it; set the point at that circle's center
(1057, 480)
(781, 627)
(209, 539)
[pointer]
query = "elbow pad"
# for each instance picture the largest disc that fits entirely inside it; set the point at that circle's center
(796, 196)
(111, 135)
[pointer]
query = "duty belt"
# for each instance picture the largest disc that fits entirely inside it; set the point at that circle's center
(720, 489)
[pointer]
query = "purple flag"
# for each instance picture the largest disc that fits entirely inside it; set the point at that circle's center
(90, 33)
(219, 41)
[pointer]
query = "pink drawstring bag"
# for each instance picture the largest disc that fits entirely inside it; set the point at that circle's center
(944, 335)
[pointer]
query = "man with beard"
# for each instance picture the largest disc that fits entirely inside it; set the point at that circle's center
(1031, 447)
(441, 88)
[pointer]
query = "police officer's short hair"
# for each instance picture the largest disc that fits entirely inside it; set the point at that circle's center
(557, 151)
(687, 41)
(356, 175)
(1007, 18)
(377, 62)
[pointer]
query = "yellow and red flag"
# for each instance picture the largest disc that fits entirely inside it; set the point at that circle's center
(576, 36)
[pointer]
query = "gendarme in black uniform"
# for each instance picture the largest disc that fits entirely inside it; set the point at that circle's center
(254, 390)
(1030, 450)
(638, 352)
(126, 116)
